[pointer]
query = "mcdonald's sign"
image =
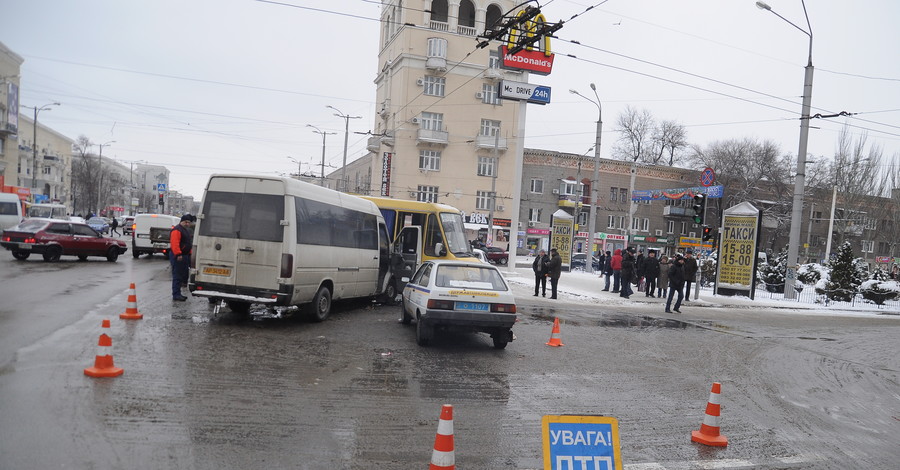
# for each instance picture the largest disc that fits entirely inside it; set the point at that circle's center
(536, 58)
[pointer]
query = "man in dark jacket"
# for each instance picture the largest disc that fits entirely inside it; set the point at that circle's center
(180, 241)
(676, 283)
(628, 262)
(540, 272)
(554, 270)
(651, 272)
(690, 272)
(606, 268)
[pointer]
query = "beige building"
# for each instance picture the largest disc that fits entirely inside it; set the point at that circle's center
(10, 63)
(442, 133)
(53, 165)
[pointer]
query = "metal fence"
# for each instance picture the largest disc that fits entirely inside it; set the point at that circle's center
(808, 295)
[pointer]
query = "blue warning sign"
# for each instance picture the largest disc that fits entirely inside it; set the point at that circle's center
(581, 443)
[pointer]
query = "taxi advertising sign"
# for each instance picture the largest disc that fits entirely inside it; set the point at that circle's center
(573, 442)
(737, 257)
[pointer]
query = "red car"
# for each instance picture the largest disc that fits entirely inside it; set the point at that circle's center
(53, 238)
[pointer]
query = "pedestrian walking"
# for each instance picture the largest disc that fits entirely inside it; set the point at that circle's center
(554, 270)
(616, 266)
(180, 241)
(690, 272)
(606, 268)
(651, 273)
(628, 264)
(676, 283)
(663, 281)
(113, 226)
(539, 266)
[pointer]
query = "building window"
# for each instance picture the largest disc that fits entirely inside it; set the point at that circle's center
(434, 86)
(430, 160)
(621, 221)
(568, 188)
(610, 221)
(683, 227)
(489, 94)
(645, 226)
(817, 216)
(483, 200)
(583, 218)
(671, 227)
(494, 60)
(432, 121)
(623, 195)
(490, 127)
(635, 224)
(534, 215)
(613, 193)
(487, 166)
(46, 170)
(537, 186)
(437, 47)
(427, 193)
(868, 246)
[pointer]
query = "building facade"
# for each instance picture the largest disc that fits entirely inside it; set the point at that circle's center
(10, 63)
(53, 179)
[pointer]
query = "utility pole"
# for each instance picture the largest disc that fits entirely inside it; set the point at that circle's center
(347, 119)
(595, 182)
(493, 190)
(319, 131)
(34, 164)
(100, 172)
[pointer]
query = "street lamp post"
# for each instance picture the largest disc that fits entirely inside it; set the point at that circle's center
(34, 165)
(100, 174)
(319, 131)
(595, 182)
(800, 179)
(347, 119)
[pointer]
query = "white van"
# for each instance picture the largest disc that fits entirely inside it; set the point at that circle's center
(151, 234)
(279, 242)
(48, 210)
(10, 210)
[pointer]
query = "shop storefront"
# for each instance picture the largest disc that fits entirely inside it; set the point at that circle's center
(476, 225)
(660, 244)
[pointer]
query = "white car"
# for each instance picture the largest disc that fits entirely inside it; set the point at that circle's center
(445, 294)
(480, 255)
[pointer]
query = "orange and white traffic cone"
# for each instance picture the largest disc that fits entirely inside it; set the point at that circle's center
(442, 457)
(555, 340)
(131, 311)
(709, 430)
(103, 363)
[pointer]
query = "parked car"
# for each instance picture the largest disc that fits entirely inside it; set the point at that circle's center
(53, 238)
(496, 255)
(99, 224)
(479, 253)
(578, 261)
(445, 294)
(127, 225)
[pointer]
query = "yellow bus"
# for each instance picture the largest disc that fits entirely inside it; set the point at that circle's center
(423, 231)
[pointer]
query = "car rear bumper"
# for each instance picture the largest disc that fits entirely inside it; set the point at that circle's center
(38, 248)
(280, 297)
(469, 319)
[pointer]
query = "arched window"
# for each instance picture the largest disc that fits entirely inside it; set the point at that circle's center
(439, 10)
(466, 13)
(493, 15)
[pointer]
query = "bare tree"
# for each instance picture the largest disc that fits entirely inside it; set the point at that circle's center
(854, 172)
(669, 139)
(889, 223)
(84, 172)
(635, 131)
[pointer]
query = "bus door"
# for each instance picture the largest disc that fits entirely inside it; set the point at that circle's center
(407, 255)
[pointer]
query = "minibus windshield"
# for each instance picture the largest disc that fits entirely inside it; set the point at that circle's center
(454, 230)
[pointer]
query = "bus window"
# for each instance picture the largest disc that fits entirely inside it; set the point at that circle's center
(433, 237)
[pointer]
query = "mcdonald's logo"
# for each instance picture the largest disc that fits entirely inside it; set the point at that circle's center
(536, 57)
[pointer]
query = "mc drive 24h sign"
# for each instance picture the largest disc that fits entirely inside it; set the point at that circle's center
(581, 443)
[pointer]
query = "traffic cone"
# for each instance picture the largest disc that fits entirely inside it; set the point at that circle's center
(555, 341)
(131, 311)
(442, 457)
(709, 430)
(103, 362)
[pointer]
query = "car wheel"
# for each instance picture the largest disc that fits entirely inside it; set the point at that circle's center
(238, 307)
(321, 304)
(390, 293)
(112, 254)
(136, 254)
(501, 338)
(53, 253)
(21, 255)
(405, 317)
(82, 257)
(423, 332)
(503, 261)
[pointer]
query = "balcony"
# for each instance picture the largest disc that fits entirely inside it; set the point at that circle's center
(673, 211)
(572, 201)
(373, 144)
(466, 30)
(493, 74)
(439, 25)
(433, 137)
(487, 142)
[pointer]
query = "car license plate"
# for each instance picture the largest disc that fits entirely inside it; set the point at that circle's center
(143, 235)
(474, 306)
(160, 245)
(217, 271)
(25, 246)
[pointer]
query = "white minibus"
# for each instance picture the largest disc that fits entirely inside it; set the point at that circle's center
(10, 210)
(280, 242)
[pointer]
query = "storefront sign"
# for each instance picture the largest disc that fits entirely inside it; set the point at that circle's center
(646, 239)
(538, 231)
(538, 59)
(518, 91)
(386, 174)
(712, 192)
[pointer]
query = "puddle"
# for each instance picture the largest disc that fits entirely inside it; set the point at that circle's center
(621, 321)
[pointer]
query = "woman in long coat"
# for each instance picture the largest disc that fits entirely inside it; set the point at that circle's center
(662, 284)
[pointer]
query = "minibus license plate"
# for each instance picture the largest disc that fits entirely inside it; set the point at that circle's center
(478, 307)
(217, 271)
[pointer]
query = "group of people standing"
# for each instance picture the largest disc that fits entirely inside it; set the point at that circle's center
(545, 267)
(662, 277)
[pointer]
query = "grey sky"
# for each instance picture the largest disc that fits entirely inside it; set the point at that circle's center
(229, 85)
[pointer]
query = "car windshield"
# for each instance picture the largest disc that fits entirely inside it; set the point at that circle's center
(96, 220)
(471, 277)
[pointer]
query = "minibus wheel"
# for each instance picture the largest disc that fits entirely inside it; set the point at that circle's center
(321, 304)
(238, 307)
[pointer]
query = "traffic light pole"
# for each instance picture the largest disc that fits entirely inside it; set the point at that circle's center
(698, 274)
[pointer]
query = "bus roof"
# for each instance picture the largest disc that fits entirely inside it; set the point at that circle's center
(403, 204)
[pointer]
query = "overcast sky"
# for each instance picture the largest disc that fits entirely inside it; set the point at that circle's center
(205, 86)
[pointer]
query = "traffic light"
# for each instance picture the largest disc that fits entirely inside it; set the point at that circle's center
(707, 233)
(699, 207)
(161, 200)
